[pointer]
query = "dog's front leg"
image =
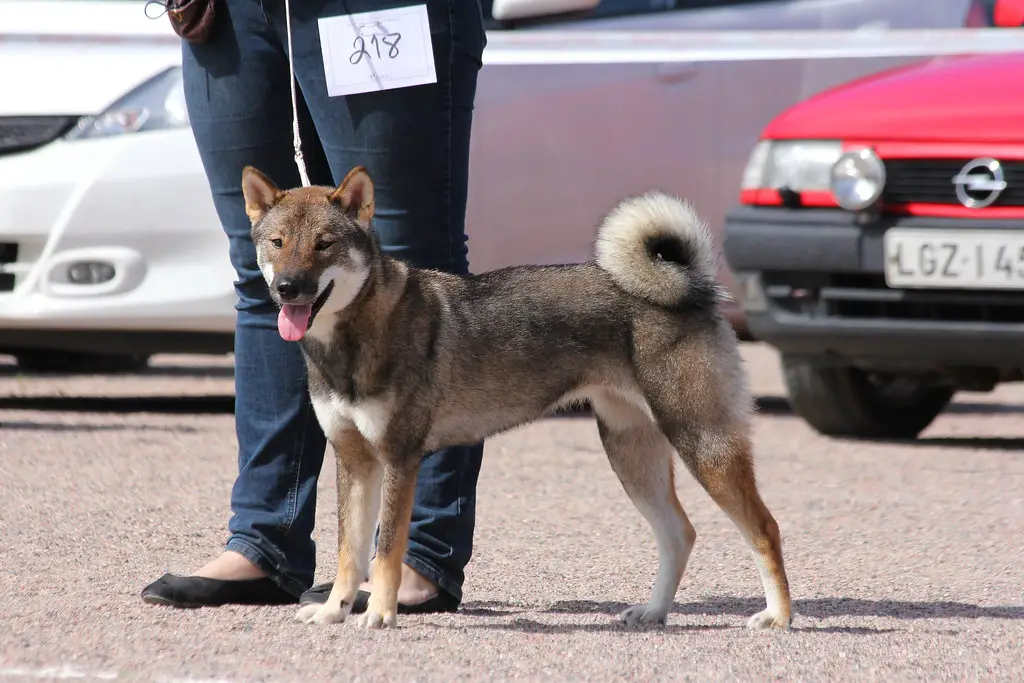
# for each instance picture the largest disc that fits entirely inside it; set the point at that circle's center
(359, 489)
(392, 541)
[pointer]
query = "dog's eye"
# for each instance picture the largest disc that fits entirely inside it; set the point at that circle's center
(323, 244)
(277, 243)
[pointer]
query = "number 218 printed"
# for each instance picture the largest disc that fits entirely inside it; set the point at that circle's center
(387, 41)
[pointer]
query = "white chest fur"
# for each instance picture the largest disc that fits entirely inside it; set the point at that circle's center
(336, 414)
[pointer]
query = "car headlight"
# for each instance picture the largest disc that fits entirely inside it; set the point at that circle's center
(858, 178)
(156, 104)
(799, 165)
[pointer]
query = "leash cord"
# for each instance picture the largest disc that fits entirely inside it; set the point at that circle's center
(300, 162)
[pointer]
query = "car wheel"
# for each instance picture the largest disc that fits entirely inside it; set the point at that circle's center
(63, 362)
(847, 401)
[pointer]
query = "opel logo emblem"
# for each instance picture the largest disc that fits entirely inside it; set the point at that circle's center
(979, 183)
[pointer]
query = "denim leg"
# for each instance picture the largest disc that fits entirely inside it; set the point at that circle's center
(236, 90)
(415, 144)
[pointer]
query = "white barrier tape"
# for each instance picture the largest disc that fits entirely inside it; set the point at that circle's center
(638, 47)
(554, 46)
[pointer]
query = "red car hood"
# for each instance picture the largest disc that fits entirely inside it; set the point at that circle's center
(947, 99)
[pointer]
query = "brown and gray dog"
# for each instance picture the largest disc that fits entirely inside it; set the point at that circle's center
(403, 361)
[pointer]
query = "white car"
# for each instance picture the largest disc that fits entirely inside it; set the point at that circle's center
(110, 249)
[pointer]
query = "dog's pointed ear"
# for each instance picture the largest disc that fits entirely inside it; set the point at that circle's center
(260, 193)
(355, 195)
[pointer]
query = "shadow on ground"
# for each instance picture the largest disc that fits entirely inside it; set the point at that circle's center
(779, 405)
(819, 608)
(175, 405)
(43, 426)
(985, 443)
(533, 626)
(614, 626)
(995, 443)
(739, 607)
(155, 371)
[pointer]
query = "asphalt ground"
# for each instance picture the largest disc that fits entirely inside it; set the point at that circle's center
(905, 560)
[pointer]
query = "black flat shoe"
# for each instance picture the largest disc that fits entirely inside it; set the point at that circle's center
(199, 591)
(442, 602)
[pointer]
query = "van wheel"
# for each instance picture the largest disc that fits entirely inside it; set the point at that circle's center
(848, 401)
(63, 362)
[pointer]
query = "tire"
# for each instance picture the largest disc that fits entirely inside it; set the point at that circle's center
(63, 362)
(850, 402)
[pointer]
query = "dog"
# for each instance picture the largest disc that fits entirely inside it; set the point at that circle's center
(403, 361)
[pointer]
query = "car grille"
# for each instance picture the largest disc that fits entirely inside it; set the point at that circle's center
(20, 133)
(865, 296)
(930, 181)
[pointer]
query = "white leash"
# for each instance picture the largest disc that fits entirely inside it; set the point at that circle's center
(300, 162)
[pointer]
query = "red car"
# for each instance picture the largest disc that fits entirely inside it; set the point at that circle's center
(879, 244)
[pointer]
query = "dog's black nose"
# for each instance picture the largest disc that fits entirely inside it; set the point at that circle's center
(288, 288)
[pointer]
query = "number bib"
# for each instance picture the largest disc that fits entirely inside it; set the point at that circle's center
(373, 51)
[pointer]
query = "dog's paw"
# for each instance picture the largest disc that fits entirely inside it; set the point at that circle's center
(322, 614)
(374, 620)
(767, 620)
(642, 614)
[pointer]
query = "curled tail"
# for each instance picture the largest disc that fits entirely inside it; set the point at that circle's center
(657, 248)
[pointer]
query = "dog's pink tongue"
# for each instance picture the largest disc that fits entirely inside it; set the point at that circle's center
(292, 321)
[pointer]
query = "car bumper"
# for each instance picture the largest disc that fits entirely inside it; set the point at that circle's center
(812, 283)
(138, 202)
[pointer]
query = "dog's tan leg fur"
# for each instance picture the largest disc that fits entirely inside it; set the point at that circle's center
(727, 474)
(359, 486)
(642, 459)
(392, 541)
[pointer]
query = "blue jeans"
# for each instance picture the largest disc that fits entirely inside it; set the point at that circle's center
(415, 143)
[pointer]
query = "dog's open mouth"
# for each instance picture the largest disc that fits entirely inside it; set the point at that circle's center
(293, 320)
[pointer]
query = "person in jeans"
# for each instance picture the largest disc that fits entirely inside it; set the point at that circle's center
(414, 141)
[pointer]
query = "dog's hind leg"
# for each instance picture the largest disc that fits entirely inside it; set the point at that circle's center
(642, 459)
(392, 540)
(723, 465)
(359, 486)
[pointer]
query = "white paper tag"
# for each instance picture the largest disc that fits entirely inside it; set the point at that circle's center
(373, 51)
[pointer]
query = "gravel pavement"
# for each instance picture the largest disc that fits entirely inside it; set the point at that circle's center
(905, 561)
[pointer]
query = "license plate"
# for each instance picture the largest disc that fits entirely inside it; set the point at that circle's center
(975, 259)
